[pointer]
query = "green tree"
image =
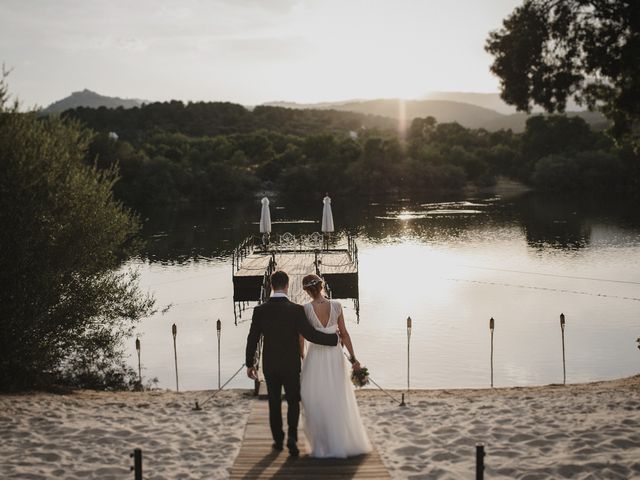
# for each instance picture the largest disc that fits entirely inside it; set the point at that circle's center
(556, 172)
(545, 135)
(549, 50)
(65, 303)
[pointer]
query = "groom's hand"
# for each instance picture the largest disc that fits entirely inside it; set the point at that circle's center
(252, 373)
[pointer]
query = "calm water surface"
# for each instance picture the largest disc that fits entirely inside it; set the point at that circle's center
(450, 264)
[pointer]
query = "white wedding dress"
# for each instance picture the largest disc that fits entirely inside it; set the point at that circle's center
(331, 415)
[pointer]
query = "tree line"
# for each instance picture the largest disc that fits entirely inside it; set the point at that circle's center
(171, 152)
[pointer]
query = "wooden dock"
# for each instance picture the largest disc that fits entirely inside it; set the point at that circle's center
(339, 268)
(257, 460)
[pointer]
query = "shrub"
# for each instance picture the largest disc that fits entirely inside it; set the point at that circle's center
(64, 300)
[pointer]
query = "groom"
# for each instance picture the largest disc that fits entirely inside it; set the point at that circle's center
(280, 321)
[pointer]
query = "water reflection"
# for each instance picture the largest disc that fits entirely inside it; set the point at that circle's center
(192, 233)
(449, 263)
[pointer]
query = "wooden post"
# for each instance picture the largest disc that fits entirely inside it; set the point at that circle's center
(408, 353)
(480, 461)
(218, 330)
(174, 332)
(137, 464)
(491, 328)
(139, 365)
(564, 367)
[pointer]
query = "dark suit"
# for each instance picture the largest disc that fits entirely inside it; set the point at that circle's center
(280, 321)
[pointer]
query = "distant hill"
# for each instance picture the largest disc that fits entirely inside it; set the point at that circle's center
(444, 111)
(469, 109)
(89, 99)
(466, 114)
(517, 121)
(489, 100)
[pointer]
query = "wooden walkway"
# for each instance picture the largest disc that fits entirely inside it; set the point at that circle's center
(257, 460)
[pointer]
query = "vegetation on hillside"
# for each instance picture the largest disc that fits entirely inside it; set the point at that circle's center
(173, 152)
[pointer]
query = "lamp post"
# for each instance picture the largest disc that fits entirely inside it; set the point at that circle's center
(492, 326)
(218, 331)
(564, 368)
(174, 332)
(139, 366)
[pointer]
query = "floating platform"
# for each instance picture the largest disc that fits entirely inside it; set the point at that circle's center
(254, 262)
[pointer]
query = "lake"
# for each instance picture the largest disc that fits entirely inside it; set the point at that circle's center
(449, 263)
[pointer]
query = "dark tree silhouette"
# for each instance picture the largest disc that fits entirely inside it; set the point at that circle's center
(550, 50)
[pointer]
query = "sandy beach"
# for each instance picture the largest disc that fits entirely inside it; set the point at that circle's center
(586, 431)
(91, 434)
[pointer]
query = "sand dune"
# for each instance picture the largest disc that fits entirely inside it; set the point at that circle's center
(589, 431)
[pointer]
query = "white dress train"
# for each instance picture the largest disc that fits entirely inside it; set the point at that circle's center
(331, 415)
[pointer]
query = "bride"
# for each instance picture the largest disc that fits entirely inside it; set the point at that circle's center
(331, 416)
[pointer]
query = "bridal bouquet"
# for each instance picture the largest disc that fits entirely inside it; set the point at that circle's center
(360, 377)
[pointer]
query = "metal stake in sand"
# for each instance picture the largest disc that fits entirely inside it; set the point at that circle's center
(139, 366)
(174, 332)
(137, 464)
(218, 329)
(491, 328)
(408, 356)
(564, 367)
(480, 461)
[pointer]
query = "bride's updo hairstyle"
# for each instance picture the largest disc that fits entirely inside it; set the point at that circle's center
(312, 284)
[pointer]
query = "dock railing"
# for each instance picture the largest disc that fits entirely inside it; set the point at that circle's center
(265, 288)
(242, 251)
(288, 242)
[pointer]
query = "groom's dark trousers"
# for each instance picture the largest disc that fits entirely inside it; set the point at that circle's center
(280, 321)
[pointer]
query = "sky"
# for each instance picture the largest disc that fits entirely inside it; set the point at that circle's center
(248, 51)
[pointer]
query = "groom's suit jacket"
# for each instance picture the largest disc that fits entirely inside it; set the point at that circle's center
(279, 321)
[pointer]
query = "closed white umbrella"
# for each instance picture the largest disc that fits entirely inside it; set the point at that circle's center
(327, 216)
(265, 217)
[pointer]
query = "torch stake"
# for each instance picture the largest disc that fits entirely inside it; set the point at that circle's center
(174, 332)
(218, 330)
(491, 328)
(564, 366)
(139, 365)
(408, 353)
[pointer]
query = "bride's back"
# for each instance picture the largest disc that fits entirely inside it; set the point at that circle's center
(323, 312)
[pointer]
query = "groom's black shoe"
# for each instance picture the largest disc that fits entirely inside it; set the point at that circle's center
(293, 448)
(277, 446)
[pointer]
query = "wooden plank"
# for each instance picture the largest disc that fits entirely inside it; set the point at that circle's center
(332, 264)
(297, 263)
(257, 460)
(253, 265)
(336, 262)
